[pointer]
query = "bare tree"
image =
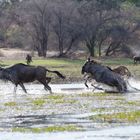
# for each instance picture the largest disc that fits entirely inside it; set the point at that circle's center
(65, 25)
(5, 21)
(102, 25)
(40, 25)
(10, 31)
(96, 15)
(122, 33)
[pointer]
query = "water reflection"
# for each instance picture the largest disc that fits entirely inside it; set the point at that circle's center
(31, 121)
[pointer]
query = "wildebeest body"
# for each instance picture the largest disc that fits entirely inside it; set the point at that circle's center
(104, 75)
(136, 59)
(21, 73)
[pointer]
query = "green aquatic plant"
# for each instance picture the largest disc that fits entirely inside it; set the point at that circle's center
(128, 117)
(39, 102)
(47, 129)
(133, 103)
(55, 97)
(99, 94)
(99, 109)
(10, 104)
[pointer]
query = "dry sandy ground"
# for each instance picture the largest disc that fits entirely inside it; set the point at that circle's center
(6, 53)
(11, 54)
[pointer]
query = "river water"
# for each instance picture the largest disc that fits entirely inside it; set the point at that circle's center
(119, 133)
(124, 132)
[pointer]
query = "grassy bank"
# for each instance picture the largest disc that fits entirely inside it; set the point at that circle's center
(72, 68)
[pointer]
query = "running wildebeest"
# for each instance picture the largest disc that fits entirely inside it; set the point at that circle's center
(121, 70)
(103, 74)
(28, 59)
(136, 59)
(21, 73)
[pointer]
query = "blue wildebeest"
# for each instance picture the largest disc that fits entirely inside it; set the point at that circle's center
(136, 59)
(103, 74)
(21, 73)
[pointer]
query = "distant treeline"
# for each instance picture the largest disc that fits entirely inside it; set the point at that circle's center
(102, 27)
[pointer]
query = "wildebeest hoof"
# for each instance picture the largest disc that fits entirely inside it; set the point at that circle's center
(51, 92)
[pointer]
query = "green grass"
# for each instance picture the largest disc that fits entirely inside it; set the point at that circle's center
(72, 68)
(55, 97)
(60, 99)
(126, 117)
(47, 129)
(100, 109)
(118, 61)
(131, 103)
(64, 62)
(47, 62)
(39, 102)
(10, 104)
(92, 94)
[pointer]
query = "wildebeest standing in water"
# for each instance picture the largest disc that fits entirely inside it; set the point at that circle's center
(21, 73)
(103, 74)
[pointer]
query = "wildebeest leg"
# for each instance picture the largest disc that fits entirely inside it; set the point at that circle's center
(86, 83)
(45, 85)
(121, 87)
(22, 86)
(48, 80)
(87, 78)
(15, 88)
(96, 87)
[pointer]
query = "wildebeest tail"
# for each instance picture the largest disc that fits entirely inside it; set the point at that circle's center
(58, 73)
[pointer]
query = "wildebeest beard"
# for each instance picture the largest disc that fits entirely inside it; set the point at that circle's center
(103, 74)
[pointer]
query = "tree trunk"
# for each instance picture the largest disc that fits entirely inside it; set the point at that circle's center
(112, 48)
(108, 50)
(100, 49)
(70, 46)
(100, 46)
(61, 50)
(91, 48)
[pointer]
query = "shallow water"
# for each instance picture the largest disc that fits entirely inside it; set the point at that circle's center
(29, 118)
(118, 133)
(8, 88)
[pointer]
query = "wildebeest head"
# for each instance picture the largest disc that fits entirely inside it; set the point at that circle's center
(87, 65)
